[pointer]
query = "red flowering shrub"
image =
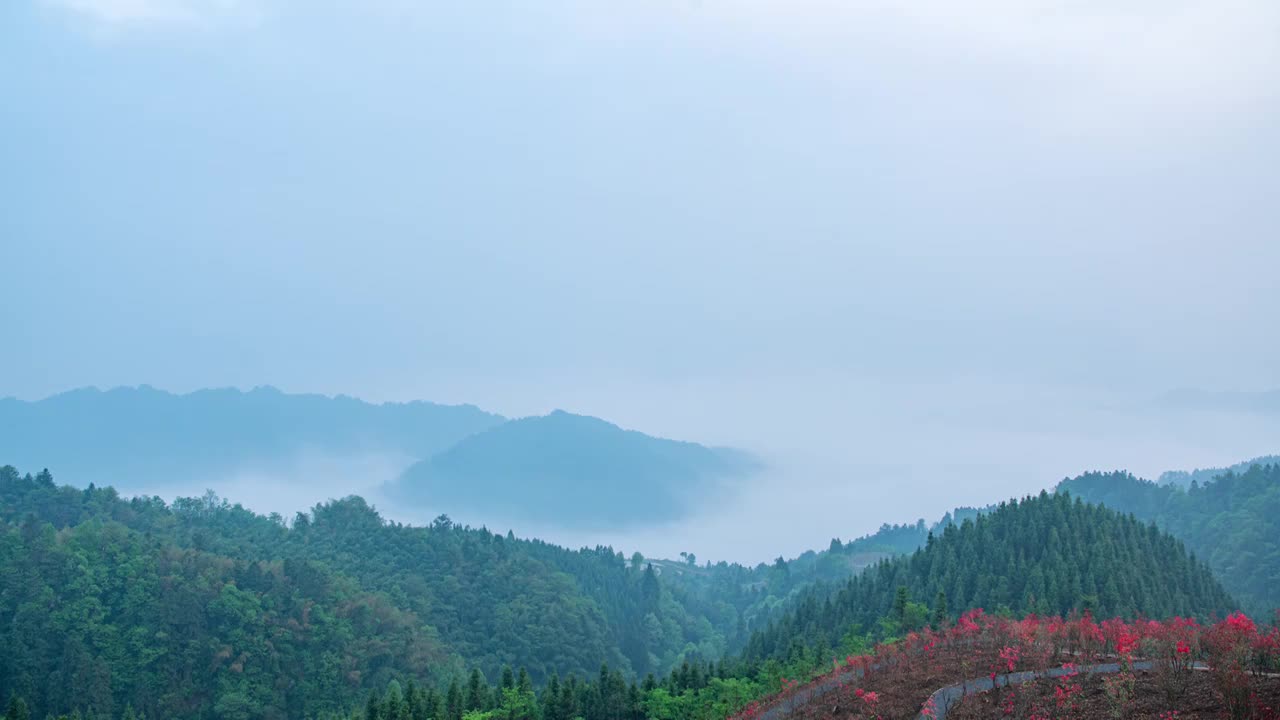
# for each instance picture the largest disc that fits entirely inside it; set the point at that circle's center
(1119, 690)
(1066, 693)
(1009, 658)
(1173, 647)
(1081, 636)
(1229, 645)
(868, 704)
(1038, 648)
(1009, 705)
(1266, 651)
(898, 679)
(1123, 638)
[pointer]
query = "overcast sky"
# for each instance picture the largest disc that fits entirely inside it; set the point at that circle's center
(952, 246)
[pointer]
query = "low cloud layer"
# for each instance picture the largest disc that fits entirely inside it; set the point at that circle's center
(845, 233)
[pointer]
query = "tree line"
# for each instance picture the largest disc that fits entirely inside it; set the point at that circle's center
(1232, 522)
(202, 609)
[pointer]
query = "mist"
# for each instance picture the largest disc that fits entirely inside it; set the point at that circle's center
(841, 457)
(914, 257)
(289, 487)
(846, 456)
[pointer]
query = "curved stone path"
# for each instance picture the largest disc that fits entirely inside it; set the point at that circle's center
(944, 697)
(783, 707)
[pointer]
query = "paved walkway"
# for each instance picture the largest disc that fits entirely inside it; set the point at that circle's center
(809, 692)
(945, 698)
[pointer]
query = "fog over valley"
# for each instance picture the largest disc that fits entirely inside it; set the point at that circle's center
(639, 360)
(839, 458)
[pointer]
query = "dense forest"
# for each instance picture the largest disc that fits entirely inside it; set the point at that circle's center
(446, 597)
(206, 605)
(758, 594)
(695, 691)
(1044, 554)
(1232, 522)
(202, 609)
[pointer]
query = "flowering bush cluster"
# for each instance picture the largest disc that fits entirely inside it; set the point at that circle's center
(897, 680)
(1173, 647)
(870, 703)
(1066, 693)
(1236, 650)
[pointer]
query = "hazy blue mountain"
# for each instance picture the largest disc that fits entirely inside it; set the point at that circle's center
(1184, 478)
(141, 436)
(570, 470)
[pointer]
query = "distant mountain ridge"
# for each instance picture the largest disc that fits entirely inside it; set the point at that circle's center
(573, 470)
(565, 469)
(1184, 478)
(135, 436)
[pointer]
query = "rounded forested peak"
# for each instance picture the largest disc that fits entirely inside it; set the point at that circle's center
(561, 416)
(351, 511)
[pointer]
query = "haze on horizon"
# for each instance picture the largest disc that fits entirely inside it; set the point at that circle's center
(915, 255)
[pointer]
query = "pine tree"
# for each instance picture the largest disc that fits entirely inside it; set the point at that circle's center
(551, 699)
(17, 709)
(433, 706)
(508, 678)
(567, 707)
(900, 605)
(453, 701)
(940, 609)
(413, 699)
(477, 691)
(649, 588)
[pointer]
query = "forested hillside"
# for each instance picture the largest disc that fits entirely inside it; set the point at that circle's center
(878, 608)
(1044, 554)
(97, 617)
(204, 609)
(759, 593)
(1233, 522)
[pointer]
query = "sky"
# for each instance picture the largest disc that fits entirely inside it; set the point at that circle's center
(919, 254)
